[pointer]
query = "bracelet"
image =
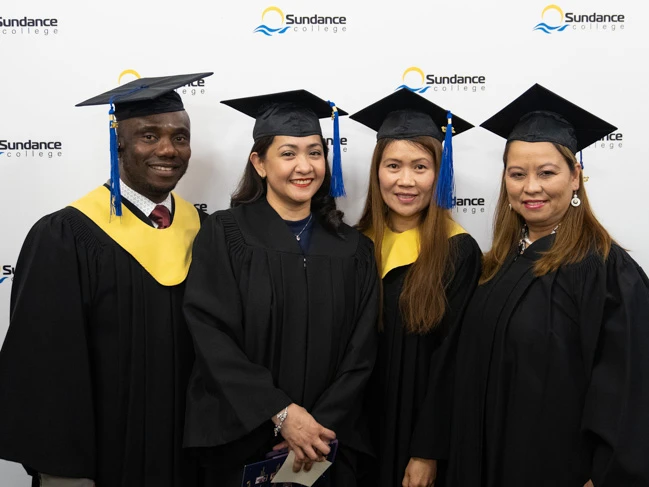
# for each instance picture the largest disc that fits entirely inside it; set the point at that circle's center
(281, 418)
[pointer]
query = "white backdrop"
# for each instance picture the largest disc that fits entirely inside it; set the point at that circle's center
(82, 49)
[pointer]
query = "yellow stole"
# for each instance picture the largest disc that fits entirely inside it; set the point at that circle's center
(399, 249)
(165, 254)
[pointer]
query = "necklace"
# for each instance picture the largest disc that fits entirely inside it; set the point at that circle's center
(525, 241)
(297, 237)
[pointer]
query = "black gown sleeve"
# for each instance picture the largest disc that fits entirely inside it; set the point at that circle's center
(46, 392)
(613, 301)
(243, 394)
(340, 404)
(431, 434)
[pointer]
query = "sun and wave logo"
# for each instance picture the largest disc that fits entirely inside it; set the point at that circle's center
(549, 29)
(128, 73)
(416, 81)
(269, 31)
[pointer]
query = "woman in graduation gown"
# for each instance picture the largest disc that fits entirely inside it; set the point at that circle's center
(282, 301)
(552, 384)
(429, 266)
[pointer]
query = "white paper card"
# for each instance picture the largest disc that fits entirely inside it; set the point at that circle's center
(286, 473)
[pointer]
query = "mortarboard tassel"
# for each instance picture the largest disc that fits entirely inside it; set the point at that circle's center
(581, 160)
(444, 196)
(337, 188)
(115, 191)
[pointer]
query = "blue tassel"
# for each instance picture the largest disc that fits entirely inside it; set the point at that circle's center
(115, 192)
(444, 195)
(337, 188)
(581, 159)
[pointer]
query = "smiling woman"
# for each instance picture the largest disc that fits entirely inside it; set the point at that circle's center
(552, 376)
(429, 266)
(294, 169)
(282, 302)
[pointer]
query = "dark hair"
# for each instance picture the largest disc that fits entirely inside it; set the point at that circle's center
(252, 187)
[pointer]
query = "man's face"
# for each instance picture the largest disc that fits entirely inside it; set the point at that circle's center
(154, 152)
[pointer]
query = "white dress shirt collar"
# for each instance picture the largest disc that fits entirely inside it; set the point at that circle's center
(142, 203)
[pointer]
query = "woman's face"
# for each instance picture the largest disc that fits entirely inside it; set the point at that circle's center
(406, 177)
(539, 183)
(294, 168)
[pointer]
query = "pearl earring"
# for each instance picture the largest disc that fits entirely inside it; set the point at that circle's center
(575, 201)
(510, 207)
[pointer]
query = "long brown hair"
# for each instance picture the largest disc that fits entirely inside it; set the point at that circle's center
(579, 234)
(423, 298)
(252, 187)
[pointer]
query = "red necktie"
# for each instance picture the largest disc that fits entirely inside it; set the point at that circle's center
(161, 216)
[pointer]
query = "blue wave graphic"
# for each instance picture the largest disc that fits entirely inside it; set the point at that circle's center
(548, 29)
(264, 29)
(2, 279)
(423, 89)
(1, 153)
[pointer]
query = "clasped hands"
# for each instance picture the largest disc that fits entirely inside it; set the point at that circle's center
(305, 436)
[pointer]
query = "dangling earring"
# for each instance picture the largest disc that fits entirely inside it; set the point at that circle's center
(510, 207)
(575, 201)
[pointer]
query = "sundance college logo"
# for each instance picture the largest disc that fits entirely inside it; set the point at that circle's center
(610, 142)
(194, 88)
(274, 22)
(553, 21)
(28, 26)
(414, 79)
(29, 148)
(7, 273)
(469, 205)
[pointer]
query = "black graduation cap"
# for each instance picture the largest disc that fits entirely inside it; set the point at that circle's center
(296, 114)
(293, 113)
(405, 114)
(539, 115)
(145, 96)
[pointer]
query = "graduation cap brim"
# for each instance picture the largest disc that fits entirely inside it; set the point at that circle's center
(253, 106)
(144, 89)
(588, 128)
(375, 114)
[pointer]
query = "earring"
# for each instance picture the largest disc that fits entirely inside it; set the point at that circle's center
(575, 201)
(510, 207)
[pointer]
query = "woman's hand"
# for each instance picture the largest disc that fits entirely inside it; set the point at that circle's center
(305, 436)
(420, 472)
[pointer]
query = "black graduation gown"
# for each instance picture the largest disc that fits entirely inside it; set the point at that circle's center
(401, 379)
(552, 381)
(95, 364)
(273, 326)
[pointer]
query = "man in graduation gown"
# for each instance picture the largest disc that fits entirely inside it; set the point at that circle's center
(94, 367)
